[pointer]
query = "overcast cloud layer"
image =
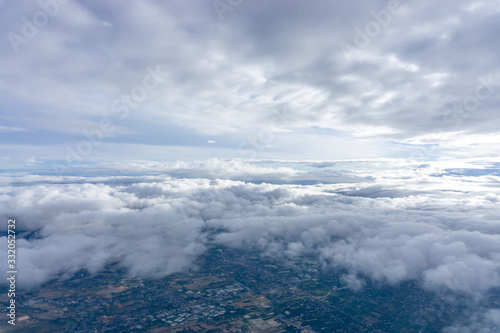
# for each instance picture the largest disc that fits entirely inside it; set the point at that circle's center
(359, 79)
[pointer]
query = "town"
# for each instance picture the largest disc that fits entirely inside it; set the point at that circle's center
(230, 290)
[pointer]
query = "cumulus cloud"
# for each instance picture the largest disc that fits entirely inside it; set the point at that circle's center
(89, 225)
(438, 226)
(157, 225)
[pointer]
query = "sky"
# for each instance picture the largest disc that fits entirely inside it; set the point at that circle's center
(362, 133)
(93, 82)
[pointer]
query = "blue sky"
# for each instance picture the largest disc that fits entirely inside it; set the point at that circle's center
(179, 80)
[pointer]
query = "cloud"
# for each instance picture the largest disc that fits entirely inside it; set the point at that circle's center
(10, 129)
(156, 225)
(352, 282)
(433, 224)
(85, 226)
(485, 322)
(226, 78)
(427, 82)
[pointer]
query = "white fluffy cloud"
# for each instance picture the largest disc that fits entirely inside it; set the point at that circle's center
(433, 224)
(447, 236)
